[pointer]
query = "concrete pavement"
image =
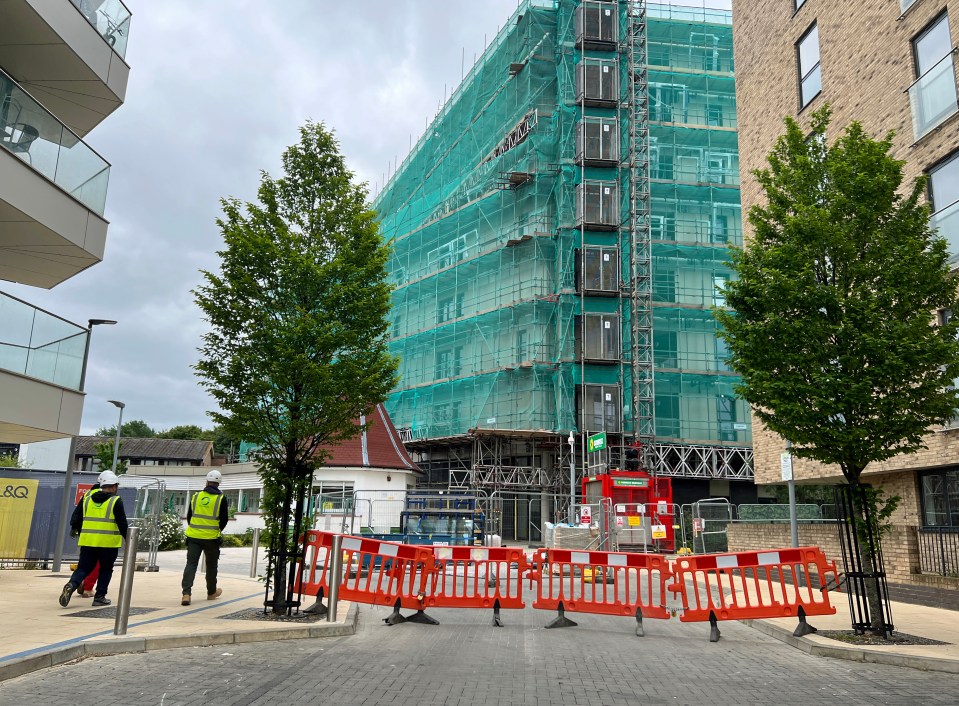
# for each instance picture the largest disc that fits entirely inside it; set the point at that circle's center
(39, 633)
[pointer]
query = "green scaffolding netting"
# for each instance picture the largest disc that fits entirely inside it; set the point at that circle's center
(511, 225)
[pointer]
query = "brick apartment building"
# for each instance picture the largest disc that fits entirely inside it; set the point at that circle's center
(891, 65)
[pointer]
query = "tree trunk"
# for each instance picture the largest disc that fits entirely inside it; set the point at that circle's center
(279, 570)
(868, 537)
(297, 526)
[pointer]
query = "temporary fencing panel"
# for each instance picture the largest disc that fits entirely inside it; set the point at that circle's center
(477, 577)
(770, 584)
(609, 583)
(314, 572)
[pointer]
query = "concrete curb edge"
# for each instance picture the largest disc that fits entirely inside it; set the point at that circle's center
(125, 644)
(853, 654)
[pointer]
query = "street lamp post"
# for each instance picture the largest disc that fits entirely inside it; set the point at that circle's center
(68, 478)
(572, 478)
(116, 443)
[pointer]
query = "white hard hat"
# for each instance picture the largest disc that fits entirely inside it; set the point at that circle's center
(100, 477)
(214, 477)
(108, 478)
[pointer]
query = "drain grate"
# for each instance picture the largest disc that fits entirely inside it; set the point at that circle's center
(108, 612)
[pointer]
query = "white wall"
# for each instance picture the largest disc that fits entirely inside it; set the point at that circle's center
(46, 455)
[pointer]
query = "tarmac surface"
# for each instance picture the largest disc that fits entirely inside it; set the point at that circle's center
(464, 660)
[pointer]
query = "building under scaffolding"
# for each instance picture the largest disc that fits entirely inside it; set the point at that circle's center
(560, 233)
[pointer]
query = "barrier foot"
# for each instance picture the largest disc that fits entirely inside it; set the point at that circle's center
(803, 628)
(561, 621)
(318, 608)
(640, 631)
(421, 617)
(496, 621)
(714, 633)
(395, 618)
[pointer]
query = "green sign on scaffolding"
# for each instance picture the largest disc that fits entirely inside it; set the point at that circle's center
(597, 442)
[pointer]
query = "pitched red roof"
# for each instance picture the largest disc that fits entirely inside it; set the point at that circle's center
(377, 447)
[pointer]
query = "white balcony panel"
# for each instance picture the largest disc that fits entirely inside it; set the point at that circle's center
(54, 52)
(32, 410)
(46, 236)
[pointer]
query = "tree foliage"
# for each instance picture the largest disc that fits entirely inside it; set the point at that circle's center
(183, 431)
(830, 322)
(296, 350)
(135, 429)
(103, 455)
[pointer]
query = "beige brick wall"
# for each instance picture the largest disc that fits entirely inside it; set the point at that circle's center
(900, 547)
(867, 64)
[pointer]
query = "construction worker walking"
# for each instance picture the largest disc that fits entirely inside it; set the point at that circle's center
(101, 523)
(206, 517)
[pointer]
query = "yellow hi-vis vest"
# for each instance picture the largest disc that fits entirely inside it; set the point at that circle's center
(205, 516)
(99, 528)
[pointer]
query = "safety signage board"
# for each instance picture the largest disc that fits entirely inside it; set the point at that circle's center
(659, 531)
(82, 489)
(585, 516)
(597, 442)
(697, 525)
(786, 465)
(631, 482)
(634, 521)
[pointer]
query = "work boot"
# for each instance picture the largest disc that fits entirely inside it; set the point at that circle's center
(66, 593)
(101, 600)
(185, 600)
(216, 594)
(82, 593)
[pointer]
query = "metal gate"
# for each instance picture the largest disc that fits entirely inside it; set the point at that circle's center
(709, 525)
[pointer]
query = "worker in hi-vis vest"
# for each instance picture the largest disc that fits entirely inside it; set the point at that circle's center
(206, 517)
(101, 523)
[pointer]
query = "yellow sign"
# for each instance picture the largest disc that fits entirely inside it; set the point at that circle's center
(659, 531)
(17, 498)
(634, 521)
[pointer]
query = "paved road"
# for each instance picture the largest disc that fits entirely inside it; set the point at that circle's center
(467, 661)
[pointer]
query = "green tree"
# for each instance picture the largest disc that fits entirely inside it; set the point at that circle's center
(136, 429)
(296, 350)
(830, 320)
(183, 431)
(10, 461)
(103, 455)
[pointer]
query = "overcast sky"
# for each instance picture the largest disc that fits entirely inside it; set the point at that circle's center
(217, 91)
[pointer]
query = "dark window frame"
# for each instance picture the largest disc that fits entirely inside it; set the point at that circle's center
(799, 68)
(949, 511)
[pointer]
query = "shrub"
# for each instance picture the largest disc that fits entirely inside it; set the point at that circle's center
(171, 532)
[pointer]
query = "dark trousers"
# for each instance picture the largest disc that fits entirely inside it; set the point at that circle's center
(210, 548)
(90, 558)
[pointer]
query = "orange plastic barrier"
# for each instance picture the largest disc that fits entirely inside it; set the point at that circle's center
(768, 584)
(381, 573)
(609, 583)
(314, 571)
(477, 577)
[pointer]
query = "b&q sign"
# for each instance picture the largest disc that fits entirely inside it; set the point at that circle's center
(17, 499)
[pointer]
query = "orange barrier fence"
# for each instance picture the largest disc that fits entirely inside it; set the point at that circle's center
(314, 572)
(608, 583)
(769, 584)
(477, 577)
(713, 587)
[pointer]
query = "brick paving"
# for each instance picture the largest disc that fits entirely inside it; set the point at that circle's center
(467, 661)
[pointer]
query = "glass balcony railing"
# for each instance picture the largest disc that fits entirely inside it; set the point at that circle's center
(110, 18)
(32, 133)
(36, 343)
(933, 96)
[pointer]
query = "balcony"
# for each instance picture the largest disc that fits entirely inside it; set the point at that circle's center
(933, 97)
(41, 365)
(69, 55)
(52, 194)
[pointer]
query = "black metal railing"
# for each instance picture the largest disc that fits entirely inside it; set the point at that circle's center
(939, 550)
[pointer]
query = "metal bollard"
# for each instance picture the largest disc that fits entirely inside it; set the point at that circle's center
(256, 551)
(126, 582)
(336, 571)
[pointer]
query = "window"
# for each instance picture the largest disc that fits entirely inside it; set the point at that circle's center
(800, 3)
(249, 500)
(522, 346)
(719, 285)
(448, 363)
(601, 408)
(601, 337)
(600, 269)
(940, 498)
(667, 416)
(714, 115)
(945, 316)
(944, 197)
(933, 94)
(810, 74)
(726, 417)
(903, 4)
(450, 308)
